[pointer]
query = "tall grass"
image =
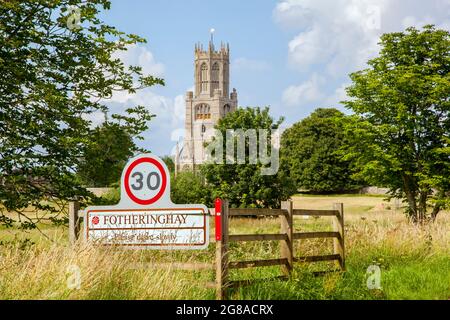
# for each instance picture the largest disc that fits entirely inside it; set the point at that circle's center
(414, 262)
(51, 273)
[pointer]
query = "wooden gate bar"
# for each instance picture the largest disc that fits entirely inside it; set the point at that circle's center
(310, 212)
(328, 257)
(318, 234)
(257, 263)
(256, 212)
(257, 237)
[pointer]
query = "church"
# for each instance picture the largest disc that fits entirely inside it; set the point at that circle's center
(210, 101)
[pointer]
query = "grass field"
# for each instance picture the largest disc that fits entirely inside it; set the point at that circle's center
(414, 261)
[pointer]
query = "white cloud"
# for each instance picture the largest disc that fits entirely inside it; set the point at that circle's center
(169, 111)
(335, 38)
(245, 64)
(141, 56)
(306, 92)
(308, 48)
(169, 117)
(338, 34)
(339, 95)
(179, 106)
(138, 55)
(96, 118)
(292, 14)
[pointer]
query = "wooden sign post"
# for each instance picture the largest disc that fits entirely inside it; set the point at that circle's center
(222, 250)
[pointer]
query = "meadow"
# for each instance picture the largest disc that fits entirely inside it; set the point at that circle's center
(414, 261)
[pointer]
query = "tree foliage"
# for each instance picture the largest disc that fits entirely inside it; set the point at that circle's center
(310, 153)
(168, 160)
(110, 146)
(188, 187)
(243, 184)
(52, 77)
(401, 129)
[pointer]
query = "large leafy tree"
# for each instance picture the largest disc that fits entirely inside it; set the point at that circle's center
(310, 153)
(244, 184)
(401, 129)
(54, 73)
(111, 145)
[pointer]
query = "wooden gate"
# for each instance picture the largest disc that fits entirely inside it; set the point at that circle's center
(287, 236)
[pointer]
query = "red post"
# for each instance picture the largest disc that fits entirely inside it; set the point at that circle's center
(218, 220)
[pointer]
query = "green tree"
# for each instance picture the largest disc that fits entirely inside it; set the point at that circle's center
(243, 184)
(188, 187)
(105, 156)
(111, 145)
(400, 133)
(168, 160)
(55, 72)
(310, 153)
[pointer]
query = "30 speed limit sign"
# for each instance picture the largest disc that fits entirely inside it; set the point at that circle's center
(145, 181)
(146, 217)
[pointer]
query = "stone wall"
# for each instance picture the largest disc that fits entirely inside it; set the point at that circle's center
(99, 191)
(374, 190)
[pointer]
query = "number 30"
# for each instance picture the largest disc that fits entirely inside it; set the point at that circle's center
(140, 181)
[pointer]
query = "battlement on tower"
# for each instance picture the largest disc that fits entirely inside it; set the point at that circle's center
(224, 50)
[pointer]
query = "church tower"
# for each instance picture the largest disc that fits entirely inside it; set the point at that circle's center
(210, 101)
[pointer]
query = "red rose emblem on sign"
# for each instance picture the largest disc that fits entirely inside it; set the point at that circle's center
(95, 220)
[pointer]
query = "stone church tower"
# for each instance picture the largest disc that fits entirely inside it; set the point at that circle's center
(210, 101)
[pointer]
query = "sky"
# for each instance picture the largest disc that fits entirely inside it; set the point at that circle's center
(291, 55)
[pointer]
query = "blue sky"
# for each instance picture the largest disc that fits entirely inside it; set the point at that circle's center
(293, 55)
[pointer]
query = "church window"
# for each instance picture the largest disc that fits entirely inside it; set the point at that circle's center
(215, 76)
(204, 77)
(226, 109)
(202, 111)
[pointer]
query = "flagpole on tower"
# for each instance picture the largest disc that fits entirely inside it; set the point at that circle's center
(211, 31)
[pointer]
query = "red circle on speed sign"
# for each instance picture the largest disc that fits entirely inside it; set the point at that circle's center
(162, 173)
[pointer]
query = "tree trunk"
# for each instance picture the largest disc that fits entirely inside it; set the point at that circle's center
(435, 212)
(411, 193)
(422, 208)
(412, 208)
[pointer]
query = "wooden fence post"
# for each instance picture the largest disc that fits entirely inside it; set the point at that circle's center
(338, 243)
(74, 221)
(286, 246)
(222, 255)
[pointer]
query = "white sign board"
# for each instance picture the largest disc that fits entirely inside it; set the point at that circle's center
(146, 217)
